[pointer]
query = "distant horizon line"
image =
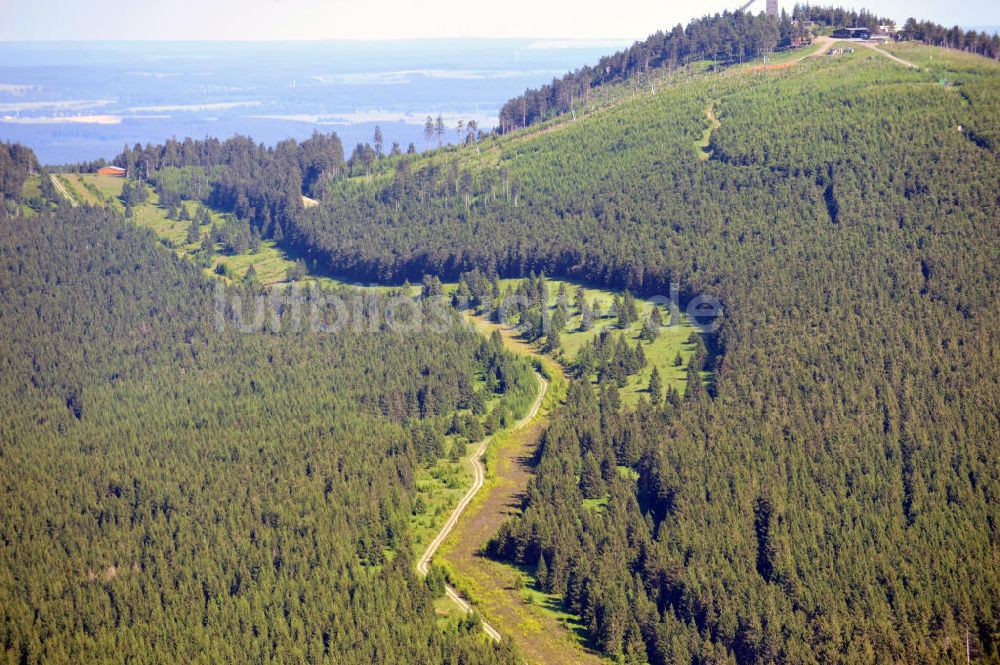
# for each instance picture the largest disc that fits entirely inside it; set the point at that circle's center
(597, 41)
(580, 42)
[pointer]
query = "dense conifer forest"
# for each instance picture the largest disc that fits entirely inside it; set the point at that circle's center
(173, 492)
(833, 497)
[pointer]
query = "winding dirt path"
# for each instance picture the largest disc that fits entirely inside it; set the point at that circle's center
(825, 43)
(479, 479)
(822, 43)
(538, 627)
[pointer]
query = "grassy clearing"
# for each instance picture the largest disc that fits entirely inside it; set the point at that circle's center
(661, 353)
(628, 473)
(31, 190)
(108, 186)
(92, 189)
(940, 62)
(439, 489)
(270, 262)
(447, 611)
(701, 145)
(506, 594)
(32, 187)
(597, 505)
(550, 605)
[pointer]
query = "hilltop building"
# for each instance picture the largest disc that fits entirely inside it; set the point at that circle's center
(852, 33)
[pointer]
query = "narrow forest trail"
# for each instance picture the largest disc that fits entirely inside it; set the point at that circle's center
(62, 190)
(541, 630)
(479, 479)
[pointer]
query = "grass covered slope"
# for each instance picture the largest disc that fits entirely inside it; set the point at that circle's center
(577, 320)
(837, 499)
(173, 492)
(270, 262)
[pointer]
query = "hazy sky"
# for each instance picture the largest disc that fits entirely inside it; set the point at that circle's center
(384, 19)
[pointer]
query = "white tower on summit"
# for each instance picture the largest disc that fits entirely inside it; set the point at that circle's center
(772, 7)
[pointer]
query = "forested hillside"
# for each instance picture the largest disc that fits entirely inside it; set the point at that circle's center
(837, 499)
(173, 492)
(16, 163)
(727, 38)
(723, 39)
(834, 497)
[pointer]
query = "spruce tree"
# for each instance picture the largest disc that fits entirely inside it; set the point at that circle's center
(694, 390)
(650, 331)
(439, 129)
(193, 234)
(629, 313)
(656, 316)
(428, 130)
(640, 357)
(542, 572)
(586, 317)
(655, 388)
(208, 241)
(562, 298)
(250, 279)
(553, 341)
(591, 481)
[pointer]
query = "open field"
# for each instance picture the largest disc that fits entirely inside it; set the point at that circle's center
(942, 63)
(93, 189)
